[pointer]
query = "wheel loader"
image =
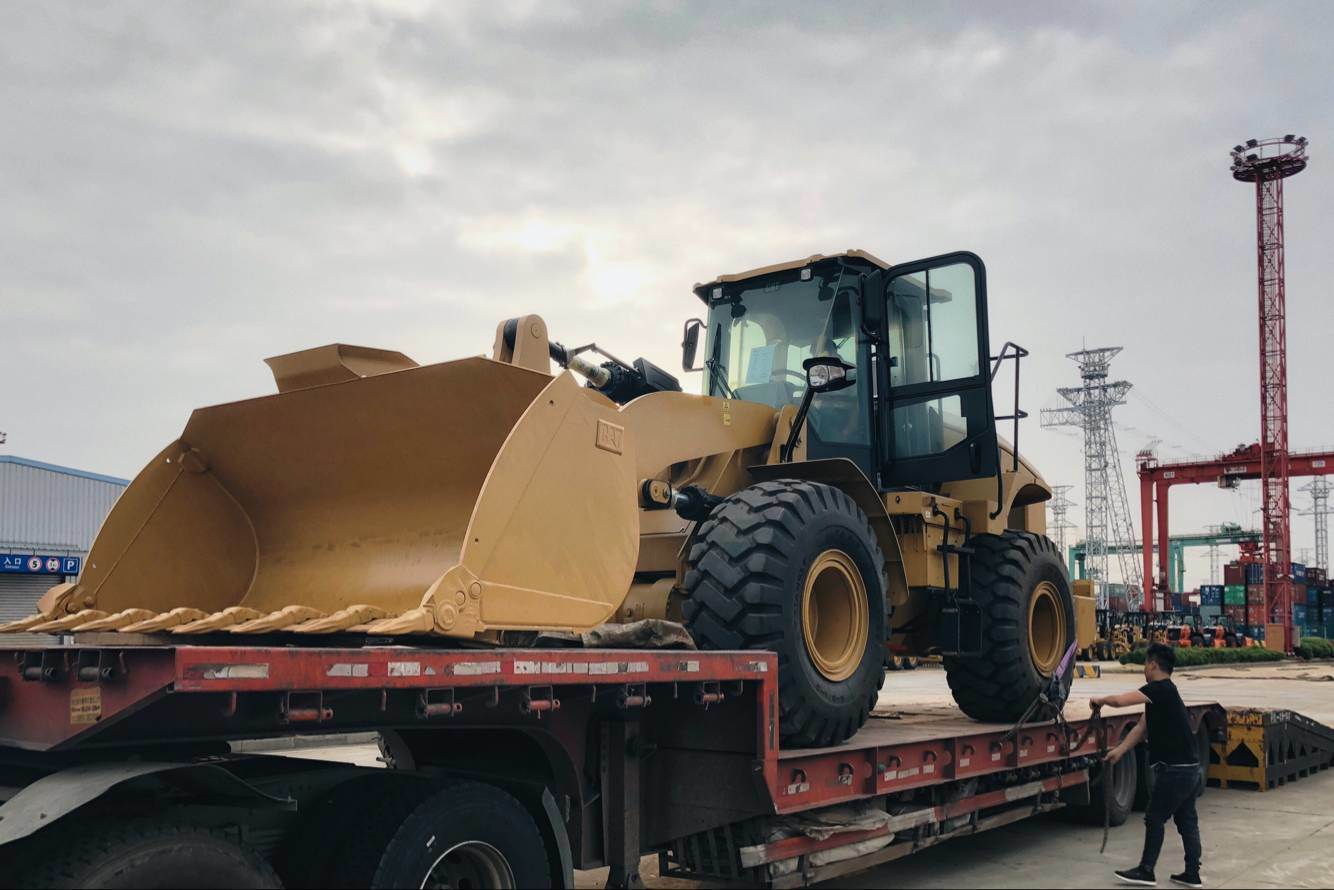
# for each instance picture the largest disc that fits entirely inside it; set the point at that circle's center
(838, 486)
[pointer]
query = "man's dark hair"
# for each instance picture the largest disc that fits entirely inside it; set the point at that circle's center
(1163, 656)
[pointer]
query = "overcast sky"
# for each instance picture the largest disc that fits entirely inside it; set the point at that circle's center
(188, 188)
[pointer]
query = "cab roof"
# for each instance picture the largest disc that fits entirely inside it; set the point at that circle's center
(701, 290)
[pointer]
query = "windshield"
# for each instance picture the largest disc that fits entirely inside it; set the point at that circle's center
(760, 333)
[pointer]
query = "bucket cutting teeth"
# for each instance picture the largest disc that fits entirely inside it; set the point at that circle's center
(24, 624)
(279, 620)
(227, 618)
(57, 625)
(343, 619)
(116, 621)
(166, 620)
(414, 621)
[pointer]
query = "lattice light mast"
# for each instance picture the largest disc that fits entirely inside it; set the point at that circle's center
(1215, 554)
(1059, 505)
(1319, 489)
(1267, 162)
(1106, 507)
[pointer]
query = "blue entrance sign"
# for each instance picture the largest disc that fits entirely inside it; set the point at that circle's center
(37, 564)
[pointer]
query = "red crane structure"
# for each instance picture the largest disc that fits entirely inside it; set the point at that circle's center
(1266, 163)
(1156, 480)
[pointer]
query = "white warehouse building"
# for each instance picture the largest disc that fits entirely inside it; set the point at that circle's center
(48, 517)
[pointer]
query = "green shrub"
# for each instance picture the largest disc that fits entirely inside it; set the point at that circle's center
(1314, 647)
(1192, 657)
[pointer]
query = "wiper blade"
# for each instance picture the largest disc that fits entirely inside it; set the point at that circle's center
(717, 376)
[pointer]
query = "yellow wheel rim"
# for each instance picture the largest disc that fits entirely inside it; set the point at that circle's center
(835, 615)
(1046, 628)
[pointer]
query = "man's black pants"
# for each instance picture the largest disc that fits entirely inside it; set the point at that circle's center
(1174, 791)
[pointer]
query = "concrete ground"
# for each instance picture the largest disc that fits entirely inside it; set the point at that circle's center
(1280, 838)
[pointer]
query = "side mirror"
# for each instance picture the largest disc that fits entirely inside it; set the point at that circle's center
(824, 373)
(828, 373)
(690, 344)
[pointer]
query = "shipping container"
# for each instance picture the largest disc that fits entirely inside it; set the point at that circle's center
(1255, 573)
(1299, 572)
(1315, 575)
(1232, 574)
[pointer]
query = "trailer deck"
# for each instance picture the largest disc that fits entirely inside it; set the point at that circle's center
(621, 752)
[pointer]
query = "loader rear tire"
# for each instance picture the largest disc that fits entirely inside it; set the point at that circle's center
(795, 567)
(1028, 623)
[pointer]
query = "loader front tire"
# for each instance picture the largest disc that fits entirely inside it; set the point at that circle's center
(794, 567)
(1028, 623)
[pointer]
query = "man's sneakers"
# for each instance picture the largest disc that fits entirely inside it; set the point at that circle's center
(1188, 879)
(1138, 875)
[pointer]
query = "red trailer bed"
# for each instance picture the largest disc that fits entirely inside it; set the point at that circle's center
(614, 752)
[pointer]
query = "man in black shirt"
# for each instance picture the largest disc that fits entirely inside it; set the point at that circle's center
(1174, 761)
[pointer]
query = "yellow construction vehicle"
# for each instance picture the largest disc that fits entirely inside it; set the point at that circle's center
(840, 485)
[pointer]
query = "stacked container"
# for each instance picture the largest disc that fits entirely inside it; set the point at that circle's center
(1211, 594)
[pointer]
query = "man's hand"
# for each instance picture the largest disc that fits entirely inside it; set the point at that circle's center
(1096, 703)
(1113, 756)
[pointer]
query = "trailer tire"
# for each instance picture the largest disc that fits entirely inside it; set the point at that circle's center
(468, 835)
(766, 558)
(1028, 622)
(1124, 777)
(156, 852)
(339, 841)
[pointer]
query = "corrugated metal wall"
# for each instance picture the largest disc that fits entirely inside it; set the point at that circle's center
(18, 599)
(44, 510)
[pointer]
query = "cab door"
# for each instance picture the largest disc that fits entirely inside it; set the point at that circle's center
(936, 419)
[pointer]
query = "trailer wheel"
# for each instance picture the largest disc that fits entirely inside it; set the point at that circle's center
(468, 835)
(160, 852)
(1112, 794)
(1028, 623)
(794, 567)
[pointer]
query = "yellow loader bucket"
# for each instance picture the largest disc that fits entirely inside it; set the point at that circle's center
(451, 499)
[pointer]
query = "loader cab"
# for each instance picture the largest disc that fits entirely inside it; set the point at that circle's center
(762, 326)
(920, 413)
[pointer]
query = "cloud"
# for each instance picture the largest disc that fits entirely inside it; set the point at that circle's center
(190, 187)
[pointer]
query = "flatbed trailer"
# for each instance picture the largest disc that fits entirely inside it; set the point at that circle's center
(521, 764)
